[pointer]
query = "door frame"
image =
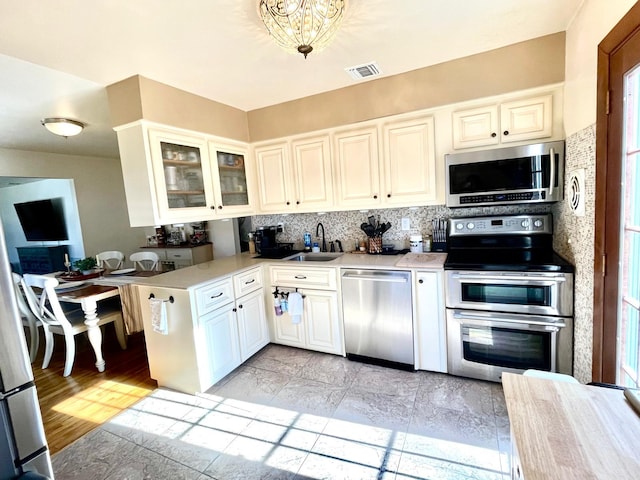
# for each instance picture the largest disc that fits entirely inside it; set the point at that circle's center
(608, 167)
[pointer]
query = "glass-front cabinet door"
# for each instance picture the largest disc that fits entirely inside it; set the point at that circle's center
(231, 176)
(182, 173)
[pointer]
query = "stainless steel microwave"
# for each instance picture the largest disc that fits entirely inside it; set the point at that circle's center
(504, 176)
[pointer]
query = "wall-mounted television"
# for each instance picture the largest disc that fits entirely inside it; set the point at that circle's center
(42, 220)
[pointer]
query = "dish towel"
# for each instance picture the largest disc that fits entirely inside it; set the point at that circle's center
(159, 316)
(295, 307)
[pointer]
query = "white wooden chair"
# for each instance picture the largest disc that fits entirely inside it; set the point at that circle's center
(28, 318)
(145, 261)
(47, 309)
(111, 259)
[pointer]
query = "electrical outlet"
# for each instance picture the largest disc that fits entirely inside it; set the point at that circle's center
(406, 224)
(280, 227)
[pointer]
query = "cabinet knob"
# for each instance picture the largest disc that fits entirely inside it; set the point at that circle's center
(494, 135)
(506, 132)
(375, 197)
(219, 207)
(297, 202)
(235, 309)
(421, 281)
(239, 306)
(388, 195)
(288, 203)
(212, 207)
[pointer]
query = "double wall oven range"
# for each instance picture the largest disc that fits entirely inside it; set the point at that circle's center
(509, 298)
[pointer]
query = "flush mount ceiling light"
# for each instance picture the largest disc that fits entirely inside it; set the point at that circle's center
(64, 127)
(302, 25)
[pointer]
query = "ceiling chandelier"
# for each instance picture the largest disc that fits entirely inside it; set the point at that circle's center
(302, 25)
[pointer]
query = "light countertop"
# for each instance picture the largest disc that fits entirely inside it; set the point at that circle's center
(219, 268)
(571, 431)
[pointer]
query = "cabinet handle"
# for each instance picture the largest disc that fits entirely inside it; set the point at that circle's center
(216, 296)
(420, 281)
(250, 281)
(300, 277)
(494, 135)
(506, 132)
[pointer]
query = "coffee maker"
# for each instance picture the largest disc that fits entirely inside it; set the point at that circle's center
(265, 238)
(267, 246)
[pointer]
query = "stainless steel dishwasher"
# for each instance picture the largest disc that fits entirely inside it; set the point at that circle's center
(377, 313)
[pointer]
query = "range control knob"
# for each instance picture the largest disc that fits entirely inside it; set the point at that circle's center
(459, 226)
(537, 223)
(470, 226)
(525, 224)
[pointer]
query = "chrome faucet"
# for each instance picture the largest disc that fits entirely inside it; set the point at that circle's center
(324, 243)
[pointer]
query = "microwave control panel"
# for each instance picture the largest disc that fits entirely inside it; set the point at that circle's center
(514, 224)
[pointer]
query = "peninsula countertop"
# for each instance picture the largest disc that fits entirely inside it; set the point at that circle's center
(571, 431)
(208, 271)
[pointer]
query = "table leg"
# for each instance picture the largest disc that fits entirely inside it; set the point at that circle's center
(89, 307)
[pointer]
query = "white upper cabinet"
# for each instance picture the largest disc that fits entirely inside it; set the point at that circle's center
(295, 175)
(357, 168)
(171, 176)
(231, 179)
(511, 121)
(275, 188)
(409, 162)
(312, 170)
(182, 177)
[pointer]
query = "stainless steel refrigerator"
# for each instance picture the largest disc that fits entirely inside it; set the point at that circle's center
(23, 446)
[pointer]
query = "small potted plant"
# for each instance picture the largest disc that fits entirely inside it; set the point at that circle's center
(86, 265)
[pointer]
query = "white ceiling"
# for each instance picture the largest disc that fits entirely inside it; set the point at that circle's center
(56, 57)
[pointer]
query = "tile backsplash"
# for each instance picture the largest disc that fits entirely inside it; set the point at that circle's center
(345, 226)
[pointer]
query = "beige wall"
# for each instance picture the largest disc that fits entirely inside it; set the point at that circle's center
(138, 97)
(517, 67)
(595, 19)
(99, 192)
(513, 68)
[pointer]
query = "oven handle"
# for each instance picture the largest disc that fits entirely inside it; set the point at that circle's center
(491, 320)
(550, 279)
(552, 171)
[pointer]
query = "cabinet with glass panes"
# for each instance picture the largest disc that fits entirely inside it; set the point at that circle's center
(182, 173)
(230, 168)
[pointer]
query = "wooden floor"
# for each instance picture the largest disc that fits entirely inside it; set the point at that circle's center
(75, 405)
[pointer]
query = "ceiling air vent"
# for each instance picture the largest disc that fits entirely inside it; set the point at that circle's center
(364, 71)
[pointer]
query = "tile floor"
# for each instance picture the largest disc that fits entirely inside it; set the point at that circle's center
(295, 414)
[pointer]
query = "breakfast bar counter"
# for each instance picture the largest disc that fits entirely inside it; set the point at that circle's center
(570, 431)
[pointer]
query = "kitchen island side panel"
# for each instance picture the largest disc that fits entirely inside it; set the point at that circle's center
(173, 360)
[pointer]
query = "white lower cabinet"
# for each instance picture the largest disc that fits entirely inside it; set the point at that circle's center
(320, 328)
(219, 348)
(252, 323)
(429, 325)
(210, 330)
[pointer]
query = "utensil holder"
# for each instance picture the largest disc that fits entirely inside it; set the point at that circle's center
(375, 244)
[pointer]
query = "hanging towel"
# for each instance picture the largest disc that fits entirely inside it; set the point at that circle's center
(159, 316)
(295, 307)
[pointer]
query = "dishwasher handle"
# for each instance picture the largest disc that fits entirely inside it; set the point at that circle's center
(382, 277)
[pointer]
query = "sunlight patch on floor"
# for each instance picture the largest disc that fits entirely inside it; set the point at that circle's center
(310, 445)
(101, 401)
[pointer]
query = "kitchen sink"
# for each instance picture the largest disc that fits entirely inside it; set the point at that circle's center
(315, 257)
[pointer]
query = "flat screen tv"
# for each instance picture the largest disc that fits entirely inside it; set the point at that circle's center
(42, 220)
